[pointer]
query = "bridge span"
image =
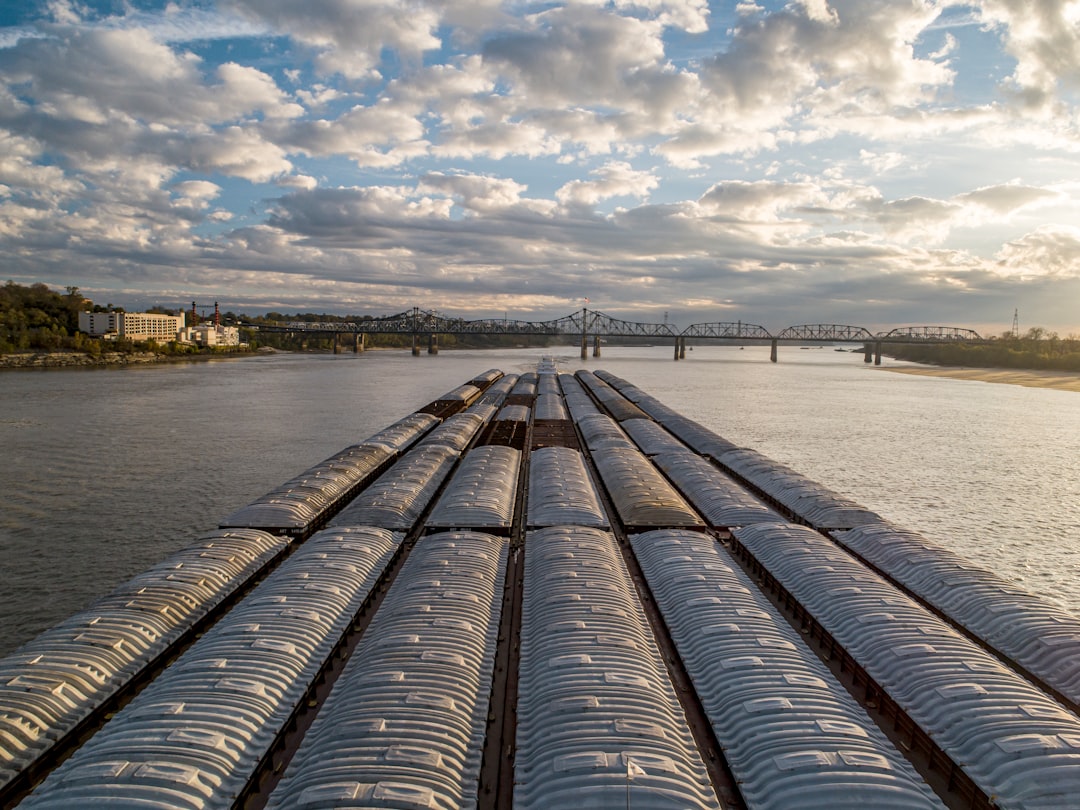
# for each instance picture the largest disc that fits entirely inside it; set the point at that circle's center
(427, 325)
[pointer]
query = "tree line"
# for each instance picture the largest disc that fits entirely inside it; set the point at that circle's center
(1037, 349)
(36, 317)
(314, 341)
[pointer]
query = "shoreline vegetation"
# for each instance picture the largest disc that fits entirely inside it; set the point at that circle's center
(1037, 350)
(1038, 359)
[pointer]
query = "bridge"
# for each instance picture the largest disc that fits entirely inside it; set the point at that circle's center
(428, 325)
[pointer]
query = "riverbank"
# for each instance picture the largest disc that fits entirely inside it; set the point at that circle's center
(1056, 380)
(22, 360)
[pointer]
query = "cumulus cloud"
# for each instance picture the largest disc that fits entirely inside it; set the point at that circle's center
(22, 175)
(809, 67)
(201, 190)
(691, 16)
(63, 11)
(926, 220)
(234, 151)
(95, 76)
(498, 139)
(881, 163)
(348, 36)
(1049, 251)
(1044, 38)
(119, 111)
(474, 192)
(613, 179)
(379, 135)
(625, 68)
(915, 218)
(1008, 198)
(761, 200)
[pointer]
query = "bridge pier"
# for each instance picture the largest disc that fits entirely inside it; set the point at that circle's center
(682, 348)
(877, 353)
(584, 346)
(336, 343)
(415, 345)
(772, 353)
(358, 343)
(676, 349)
(596, 346)
(433, 344)
(868, 353)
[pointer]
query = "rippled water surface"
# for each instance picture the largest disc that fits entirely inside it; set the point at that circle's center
(106, 471)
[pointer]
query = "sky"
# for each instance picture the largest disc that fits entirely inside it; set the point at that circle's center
(868, 162)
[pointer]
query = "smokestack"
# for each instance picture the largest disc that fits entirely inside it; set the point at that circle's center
(217, 316)
(194, 315)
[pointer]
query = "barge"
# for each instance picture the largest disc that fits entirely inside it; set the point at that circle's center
(541, 590)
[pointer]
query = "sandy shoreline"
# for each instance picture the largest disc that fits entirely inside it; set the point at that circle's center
(1057, 380)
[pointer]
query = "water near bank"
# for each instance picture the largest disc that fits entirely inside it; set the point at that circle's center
(1058, 380)
(77, 359)
(107, 471)
(57, 360)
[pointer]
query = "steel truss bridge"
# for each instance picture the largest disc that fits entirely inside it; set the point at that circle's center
(425, 324)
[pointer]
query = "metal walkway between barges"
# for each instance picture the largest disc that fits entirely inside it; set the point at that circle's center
(545, 590)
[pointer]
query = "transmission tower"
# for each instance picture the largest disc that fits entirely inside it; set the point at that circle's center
(1016, 323)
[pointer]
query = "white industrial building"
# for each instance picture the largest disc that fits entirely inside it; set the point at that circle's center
(132, 325)
(162, 328)
(208, 334)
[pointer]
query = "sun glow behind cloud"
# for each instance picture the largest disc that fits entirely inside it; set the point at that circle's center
(869, 161)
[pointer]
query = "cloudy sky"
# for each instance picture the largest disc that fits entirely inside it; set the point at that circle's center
(869, 162)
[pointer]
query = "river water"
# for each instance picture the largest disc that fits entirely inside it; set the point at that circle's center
(107, 471)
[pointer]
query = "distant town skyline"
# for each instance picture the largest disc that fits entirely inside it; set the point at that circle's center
(872, 162)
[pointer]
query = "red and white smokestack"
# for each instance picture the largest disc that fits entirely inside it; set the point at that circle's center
(217, 316)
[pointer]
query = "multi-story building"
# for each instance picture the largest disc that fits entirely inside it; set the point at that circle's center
(132, 325)
(100, 323)
(207, 334)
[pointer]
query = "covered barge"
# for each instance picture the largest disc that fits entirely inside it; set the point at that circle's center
(545, 590)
